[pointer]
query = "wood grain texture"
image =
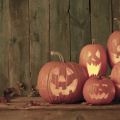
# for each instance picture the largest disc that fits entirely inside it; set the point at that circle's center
(79, 27)
(115, 13)
(4, 80)
(30, 29)
(59, 29)
(101, 25)
(59, 115)
(17, 111)
(18, 43)
(101, 22)
(39, 37)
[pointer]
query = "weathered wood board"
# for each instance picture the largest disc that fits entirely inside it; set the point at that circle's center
(18, 47)
(79, 27)
(39, 37)
(43, 114)
(115, 13)
(17, 110)
(4, 76)
(59, 29)
(30, 29)
(101, 22)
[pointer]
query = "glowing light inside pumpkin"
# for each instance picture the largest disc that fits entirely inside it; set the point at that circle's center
(99, 96)
(104, 85)
(100, 89)
(71, 87)
(95, 84)
(115, 58)
(89, 54)
(98, 54)
(92, 68)
(118, 48)
(115, 51)
(61, 79)
(69, 71)
(55, 71)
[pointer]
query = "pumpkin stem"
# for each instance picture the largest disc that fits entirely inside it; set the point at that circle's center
(117, 22)
(101, 76)
(93, 41)
(59, 55)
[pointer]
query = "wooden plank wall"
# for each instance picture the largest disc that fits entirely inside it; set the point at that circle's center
(30, 29)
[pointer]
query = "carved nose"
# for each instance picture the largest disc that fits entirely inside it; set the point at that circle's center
(93, 59)
(61, 79)
(100, 89)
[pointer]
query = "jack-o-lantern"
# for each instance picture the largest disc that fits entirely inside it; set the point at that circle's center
(113, 47)
(115, 77)
(93, 59)
(98, 90)
(60, 82)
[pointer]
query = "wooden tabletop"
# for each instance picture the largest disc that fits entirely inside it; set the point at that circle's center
(21, 103)
(17, 109)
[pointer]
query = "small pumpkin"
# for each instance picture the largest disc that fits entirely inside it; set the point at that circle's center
(113, 47)
(93, 59)
(60, 82)
(115, 77)
(99, 90)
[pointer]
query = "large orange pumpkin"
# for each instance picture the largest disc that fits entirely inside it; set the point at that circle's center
(99, 90)
(93, 59)
(115, 77)
(60, 82)
(113, 47)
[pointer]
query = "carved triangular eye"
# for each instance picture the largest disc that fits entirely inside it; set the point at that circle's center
(55, 71)
(89, 54)
(104, 85)
(69, 71)
(118, 48)
(96, 85)
(98, 54)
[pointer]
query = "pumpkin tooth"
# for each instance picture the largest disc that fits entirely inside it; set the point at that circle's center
(106, 95)
(71, 87)
(93, 69)
(98, 96)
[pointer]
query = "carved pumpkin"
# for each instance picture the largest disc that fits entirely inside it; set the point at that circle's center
(98, 90)
(115, 77)
(93, 59)
(60, 82)
(113, 47)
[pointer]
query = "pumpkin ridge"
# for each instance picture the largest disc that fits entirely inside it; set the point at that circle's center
(48, 89)
(61, 82)
(98, 91)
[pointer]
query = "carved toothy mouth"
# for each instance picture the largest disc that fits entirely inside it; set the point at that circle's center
(98, 96)
(71, 87)
(115, 58)
(93, 69)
